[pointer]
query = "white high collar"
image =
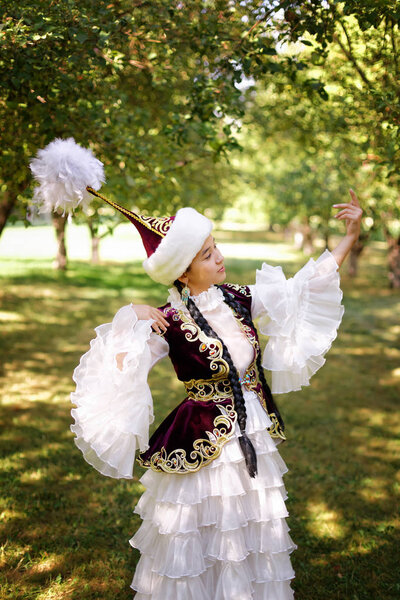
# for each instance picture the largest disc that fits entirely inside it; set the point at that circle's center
(205, 301)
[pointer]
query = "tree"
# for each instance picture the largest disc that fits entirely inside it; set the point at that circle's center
(331, 114)
(355, 57)
(148, 86)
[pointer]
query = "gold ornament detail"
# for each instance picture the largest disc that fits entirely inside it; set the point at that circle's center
(242, 289)
(203, 390)
(159, 225)
(204, 450)
(276, 430)
(194, 333)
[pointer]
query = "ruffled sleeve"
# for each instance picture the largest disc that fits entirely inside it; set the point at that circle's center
(114, 405)
(301, 316)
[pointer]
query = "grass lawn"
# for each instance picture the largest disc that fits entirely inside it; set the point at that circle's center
(65, 528)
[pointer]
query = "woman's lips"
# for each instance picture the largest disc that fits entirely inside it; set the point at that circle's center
(221, 269)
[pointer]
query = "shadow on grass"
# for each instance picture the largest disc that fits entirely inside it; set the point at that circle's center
(66, 528)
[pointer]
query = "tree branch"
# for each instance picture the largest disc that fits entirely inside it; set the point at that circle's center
(265, 17)
(394, 48)
(349, 54)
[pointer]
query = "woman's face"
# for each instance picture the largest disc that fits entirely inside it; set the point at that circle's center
(207, 268)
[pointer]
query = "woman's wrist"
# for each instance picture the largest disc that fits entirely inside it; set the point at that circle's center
(344, 247)
(352, 237)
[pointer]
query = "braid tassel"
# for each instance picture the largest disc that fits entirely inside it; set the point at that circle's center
(249, 454)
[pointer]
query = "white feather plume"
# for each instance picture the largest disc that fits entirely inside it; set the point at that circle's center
(63, 169)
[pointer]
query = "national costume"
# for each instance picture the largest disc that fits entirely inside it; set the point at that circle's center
(211, 529)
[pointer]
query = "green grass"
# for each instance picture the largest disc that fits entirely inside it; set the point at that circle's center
(65, 528)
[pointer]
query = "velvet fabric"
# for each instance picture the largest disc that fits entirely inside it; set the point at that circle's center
(206, 422)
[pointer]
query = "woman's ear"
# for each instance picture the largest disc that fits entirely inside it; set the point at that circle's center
(184, 278)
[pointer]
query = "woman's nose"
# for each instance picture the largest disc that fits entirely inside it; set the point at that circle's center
(220, 258)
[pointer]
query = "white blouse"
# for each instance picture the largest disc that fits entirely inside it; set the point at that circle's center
(300, 315)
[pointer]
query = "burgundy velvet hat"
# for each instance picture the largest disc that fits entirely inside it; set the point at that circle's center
(67, 173)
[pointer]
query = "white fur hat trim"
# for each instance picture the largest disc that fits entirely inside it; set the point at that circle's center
(178, 248)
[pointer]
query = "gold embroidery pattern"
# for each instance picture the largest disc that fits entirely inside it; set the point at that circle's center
(203, 390)
(242, 289)
(193, 334)
(216, 389)
(208, 389)
(158, 225)
(212, 389)
(204, 450)
(276, 430)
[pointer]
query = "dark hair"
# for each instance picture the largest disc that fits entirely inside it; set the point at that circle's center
(233, 375)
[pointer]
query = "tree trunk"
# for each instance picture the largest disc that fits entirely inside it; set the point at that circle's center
(7, 203)
(355, 252)
(394, 261)
(95, 258)
(59, 223)
(308, 238)
(9, 200)
(95, 242)
(326, 238)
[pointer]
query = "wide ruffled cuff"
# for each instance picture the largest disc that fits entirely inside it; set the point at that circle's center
(301, 316)
(114, 407)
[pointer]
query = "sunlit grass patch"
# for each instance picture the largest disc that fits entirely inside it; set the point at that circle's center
(65, 529)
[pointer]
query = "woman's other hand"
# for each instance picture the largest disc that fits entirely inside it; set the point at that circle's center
(145, 312)
(352, 212)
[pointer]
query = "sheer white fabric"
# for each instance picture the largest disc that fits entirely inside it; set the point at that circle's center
(301, 316)
(217, 534)
(114, 406)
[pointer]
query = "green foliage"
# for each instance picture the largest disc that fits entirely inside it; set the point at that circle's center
(356, 46)
(315, 131)
(150, 87)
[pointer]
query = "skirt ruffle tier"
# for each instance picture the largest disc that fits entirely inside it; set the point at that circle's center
(217, 534)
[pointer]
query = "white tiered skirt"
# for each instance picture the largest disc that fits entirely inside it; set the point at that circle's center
(217, 534)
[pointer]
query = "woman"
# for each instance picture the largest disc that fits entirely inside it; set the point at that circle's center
(214, 516)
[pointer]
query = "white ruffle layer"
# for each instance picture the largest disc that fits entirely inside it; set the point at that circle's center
(114, 407)
(217, 533)
(301, 316)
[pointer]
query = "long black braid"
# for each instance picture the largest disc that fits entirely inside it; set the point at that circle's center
(233, 375)
(245, 314)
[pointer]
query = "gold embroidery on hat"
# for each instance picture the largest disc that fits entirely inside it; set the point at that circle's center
(159, 225)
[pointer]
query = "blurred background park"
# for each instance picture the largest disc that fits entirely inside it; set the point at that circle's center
(262, 114)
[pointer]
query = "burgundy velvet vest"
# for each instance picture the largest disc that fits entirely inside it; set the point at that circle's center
(194, 432)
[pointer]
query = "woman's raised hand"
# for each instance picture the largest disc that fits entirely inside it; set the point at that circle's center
(352, 212)
(145, 312)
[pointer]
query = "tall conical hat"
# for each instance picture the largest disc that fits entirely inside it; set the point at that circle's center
(67, 173)
(171, 243)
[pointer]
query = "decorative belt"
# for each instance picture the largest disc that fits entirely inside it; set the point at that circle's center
(203, 390)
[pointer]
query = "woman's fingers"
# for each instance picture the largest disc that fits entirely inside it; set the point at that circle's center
(350, 214)
(145, 312)
(354, 199)
(160, 323)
